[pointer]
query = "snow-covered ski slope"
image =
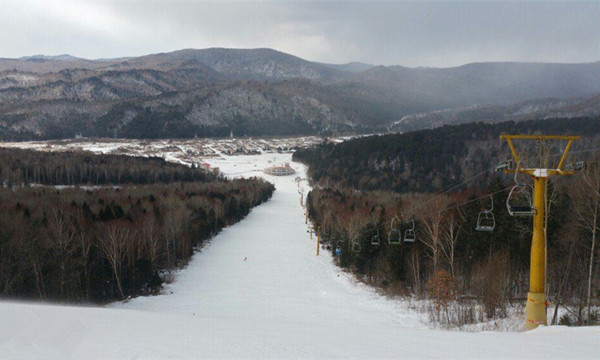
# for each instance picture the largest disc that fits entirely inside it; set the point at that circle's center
(259, 291)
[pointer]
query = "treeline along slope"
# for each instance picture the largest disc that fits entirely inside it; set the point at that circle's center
(430, 160)
(23, 166)
(107, 242)
(374, 187)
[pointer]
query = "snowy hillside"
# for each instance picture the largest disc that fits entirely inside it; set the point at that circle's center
(258, 291)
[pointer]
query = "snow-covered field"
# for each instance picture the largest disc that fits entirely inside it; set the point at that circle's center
(185, 151)
(258, 291)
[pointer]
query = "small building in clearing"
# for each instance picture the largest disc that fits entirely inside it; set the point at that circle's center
(280, 170)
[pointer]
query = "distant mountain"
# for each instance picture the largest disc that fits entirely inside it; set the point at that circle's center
(528, 110)
(263, 64)
(63, 57)
(351, 66)
(517, 81)
(484, 83)
(211, 92)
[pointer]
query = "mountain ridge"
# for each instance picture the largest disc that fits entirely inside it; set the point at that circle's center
(210, 92)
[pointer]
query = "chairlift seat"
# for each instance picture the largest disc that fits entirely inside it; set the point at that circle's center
(518, 201)
(521, 210)
(375, 240)
(486, 220)
(484, 228)
(394, 237)
(409, 236)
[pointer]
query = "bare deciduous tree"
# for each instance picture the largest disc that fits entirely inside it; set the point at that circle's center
(84, 239)
(62, 234)
(152, 237)
(113, 243)
(450, 232)
(587, 211)
(433, 228)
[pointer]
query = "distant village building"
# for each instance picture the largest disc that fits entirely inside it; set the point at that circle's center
(206, 166)
(280, 170)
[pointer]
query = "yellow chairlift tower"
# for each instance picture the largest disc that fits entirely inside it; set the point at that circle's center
(535, 310)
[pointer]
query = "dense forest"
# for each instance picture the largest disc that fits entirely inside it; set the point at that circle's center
(471, 276)
(430, 160)
(21, 166)
(481, 272)
(109, 242)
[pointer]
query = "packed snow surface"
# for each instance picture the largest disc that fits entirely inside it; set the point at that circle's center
(258, 291)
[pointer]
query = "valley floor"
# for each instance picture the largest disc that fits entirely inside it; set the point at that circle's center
(258, 291)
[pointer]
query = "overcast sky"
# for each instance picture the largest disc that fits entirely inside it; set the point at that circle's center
(405, 33)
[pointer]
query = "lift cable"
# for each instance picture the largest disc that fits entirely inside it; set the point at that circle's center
(379, 227)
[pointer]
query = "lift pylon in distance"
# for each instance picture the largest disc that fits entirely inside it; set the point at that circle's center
(535, 309)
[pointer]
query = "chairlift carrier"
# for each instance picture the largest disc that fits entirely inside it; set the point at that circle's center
(409, 234)
(486, 220)
(522, 207)
(375, 239)
(394, 236)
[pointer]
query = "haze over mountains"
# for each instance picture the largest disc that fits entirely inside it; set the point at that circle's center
(213, 92)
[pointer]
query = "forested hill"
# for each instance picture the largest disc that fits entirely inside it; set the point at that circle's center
(429, 160)
(258, 92)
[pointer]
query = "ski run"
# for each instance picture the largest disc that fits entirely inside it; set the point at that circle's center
(257, 290)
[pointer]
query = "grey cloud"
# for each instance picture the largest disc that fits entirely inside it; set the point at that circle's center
(404, 33)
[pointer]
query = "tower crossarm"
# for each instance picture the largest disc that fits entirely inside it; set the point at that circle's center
(532, 171)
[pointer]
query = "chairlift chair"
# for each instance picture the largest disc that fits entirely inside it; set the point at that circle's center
(580, 165)
(356, 244)
(518, 202)
(394, 236)
(486, 220)
(409, 234)
(375, 239)
(576, 166)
